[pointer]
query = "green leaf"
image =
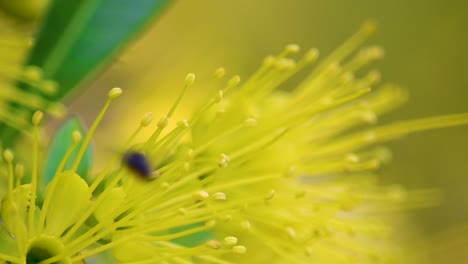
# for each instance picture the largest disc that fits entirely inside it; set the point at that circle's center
(79, 37)
(60, 144)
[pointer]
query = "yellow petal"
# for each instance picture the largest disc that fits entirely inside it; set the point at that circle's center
(68, 201)
(107, 211)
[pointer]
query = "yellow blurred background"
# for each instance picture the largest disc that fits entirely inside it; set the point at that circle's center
(426, 52)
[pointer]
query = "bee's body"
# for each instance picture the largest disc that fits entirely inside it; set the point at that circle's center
(139, 164)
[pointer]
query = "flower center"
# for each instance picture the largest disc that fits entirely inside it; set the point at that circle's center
(44, 247)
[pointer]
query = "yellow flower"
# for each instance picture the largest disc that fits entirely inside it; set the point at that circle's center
(257, 175)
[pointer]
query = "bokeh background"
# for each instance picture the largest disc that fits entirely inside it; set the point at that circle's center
(426, 52)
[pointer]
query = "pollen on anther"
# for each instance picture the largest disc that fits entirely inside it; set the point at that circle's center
(230, 241)
(374, 77)
(32, 73)
(219, 196)
(76, 135)
(223, 161)
(234, 81)
(219, 73)
(200, 195)
(269, 60)
(8, 155)
(114, 93)
(312, 55)
(189, 79)
(369, 28)
(19, 170)
(37, 118)
(239, 249)
(49, 86)
(351, 157)
(163, 122)
(213, 244)
(146, 119)
(183, 123)
(293, 48)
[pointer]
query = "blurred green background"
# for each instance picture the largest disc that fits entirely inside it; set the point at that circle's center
(426, 52)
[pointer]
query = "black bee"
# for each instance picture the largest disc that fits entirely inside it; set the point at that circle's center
(139, 164)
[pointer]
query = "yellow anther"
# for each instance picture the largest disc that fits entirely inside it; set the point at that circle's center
(213, 244)
(219, 196)
(230, 241)
(114, 93)
(49, 86)
(76, 136)
(234, 81)
(269, 60)
(239, 249)
(32, 73)
(8, 155)
(285, 64)
(37, 118)
(163, 122)
(369, 28)
(200, 195)
(375, 52)
(292, 48)
(146, 119)
(19, 170)
(219, 73)
(223, 161)
(183, 123)
(351, 157)
(373, 77)
(312, 55)
(189, 79)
